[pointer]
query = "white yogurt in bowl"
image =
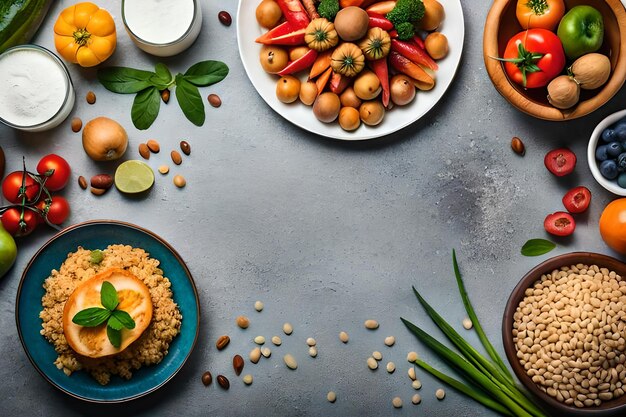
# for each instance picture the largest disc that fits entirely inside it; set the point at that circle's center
(36, 91)
(162, 27)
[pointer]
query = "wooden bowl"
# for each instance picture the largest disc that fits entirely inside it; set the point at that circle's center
(502, 24)
(615, 407)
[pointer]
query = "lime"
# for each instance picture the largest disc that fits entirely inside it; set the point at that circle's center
(133, 177)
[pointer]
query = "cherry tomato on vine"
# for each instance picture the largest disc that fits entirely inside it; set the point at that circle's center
(61, 175)
(534, 57)
(545, 14)
(11, 221)
(12, 184)
(57, 211)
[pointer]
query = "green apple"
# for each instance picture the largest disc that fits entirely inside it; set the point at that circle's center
(581, 31)
(8, 251)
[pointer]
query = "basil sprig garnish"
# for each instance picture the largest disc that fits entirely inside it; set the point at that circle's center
(116, 319)
(148, 86)
(536, 247)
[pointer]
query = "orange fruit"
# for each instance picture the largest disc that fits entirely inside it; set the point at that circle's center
(134, 298)
(613, 225)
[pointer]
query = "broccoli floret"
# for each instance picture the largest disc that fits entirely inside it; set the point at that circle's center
(404, 14)
(328, 9)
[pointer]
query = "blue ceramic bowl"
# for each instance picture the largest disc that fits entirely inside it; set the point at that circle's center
(98, 234)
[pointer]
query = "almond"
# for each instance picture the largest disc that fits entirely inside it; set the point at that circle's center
(222, 342)
(223, 381)
(82, 182)
(144, 151)
(98, 191)
(238, 364)
(153, 145)
(518, 146)
(102, 181)
(176, 158)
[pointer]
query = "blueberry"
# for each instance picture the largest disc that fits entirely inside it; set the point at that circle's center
(613, 149)
(608, 135)
(621, 162)
(601, 154)
(621, 180)
(620, 131)
(608, 169)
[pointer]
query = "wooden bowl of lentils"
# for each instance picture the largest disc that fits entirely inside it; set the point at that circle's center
(564, 333)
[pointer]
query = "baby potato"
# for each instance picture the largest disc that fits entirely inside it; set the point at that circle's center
(326, 107)
(268, 14)
(273, 58)
(288, 89)
(349, 99)
(297, 52)
(367, 85)
(401, 89)
(372, 112)
(436, 45)
(349, 118)
(308, 92)
(433, 15)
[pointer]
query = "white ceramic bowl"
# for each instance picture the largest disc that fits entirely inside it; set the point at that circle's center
(610, 185)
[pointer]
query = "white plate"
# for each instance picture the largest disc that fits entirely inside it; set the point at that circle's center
(399, 117)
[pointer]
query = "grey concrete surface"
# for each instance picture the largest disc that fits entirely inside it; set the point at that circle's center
(326, 233)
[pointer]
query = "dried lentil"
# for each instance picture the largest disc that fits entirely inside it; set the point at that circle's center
(247, 379)
(255, 355)
(164, 169)
(287, 328)
(243, 322)
(311, 342)
(290, 361)
(412, 357)
(313, 351)
(259, 340)
(372, 363)
(331, 397)
(377, 355)
(258, 306)
(416, 399)
(276, 340)
(440, 394)
(467, 323)
(391, 367)
(343, 336)
(397, 402)
(371, 324)
(390, 340)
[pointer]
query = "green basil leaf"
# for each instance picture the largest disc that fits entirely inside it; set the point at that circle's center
(190, 101)
(146, 108)
(124, 80)
(206, 73)
(96, 256)
(91, 317)
(114, 323)
(162, 77)
(124, 318)
(108, 296)
(115, 336)
(536, 247)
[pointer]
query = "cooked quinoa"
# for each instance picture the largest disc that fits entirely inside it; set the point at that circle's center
(153, 344)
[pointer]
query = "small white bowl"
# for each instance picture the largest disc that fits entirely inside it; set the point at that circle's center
(610, 185)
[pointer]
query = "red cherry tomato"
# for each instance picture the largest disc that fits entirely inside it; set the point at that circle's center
(57, 211)
(61, 171)
(559, 224)
(11, 222)
(560, 161)
(12, 184)
(577, 199)
(534, 57)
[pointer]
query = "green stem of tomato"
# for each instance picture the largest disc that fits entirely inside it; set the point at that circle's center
(538, 7)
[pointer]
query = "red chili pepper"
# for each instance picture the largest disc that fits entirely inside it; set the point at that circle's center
(294, 12)
(382, 72)
(379, 21)
(338, 83)
(419, 41)
(393, 34)
(413, 52)
(302, 63)
(283, 34)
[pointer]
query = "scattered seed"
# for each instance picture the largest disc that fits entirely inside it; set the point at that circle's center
(467, 323)
(518, 146)
(313, 351)
(416, 399)
(290, 361)
(91, 97)
(103, 181)
(243, 322)
(331, 397)
(258, 306)
(82, 182)
(266, 352)
(144, 151)
(343, 336)
(417, 384)
(207, 378)
(440, 394)
(164, 169)
(377, 355)
(311, 342)
(97, 191)
(412, 374)
(412, 357)
(255, 355)
(238, 364)
(247, 379)
(222, 342)
(176, 158)
(185, 147)
(223, 381)
(214, 100)
(372, 363)
(371, 324)
(153, 145)
(259, 340)
(390, 340)
(287, 328)
(225, 18)
(179, 181)
(77, 124)
(397, 402)
(165, 96)
(391, 367)
(277, 341)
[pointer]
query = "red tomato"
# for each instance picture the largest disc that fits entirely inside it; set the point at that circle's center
(577, 199)
(534, 57)
(560, 161)
(559, 224)
(544, 14)
(12, 184)
(57, 211)
(11, 222)
(61, 171)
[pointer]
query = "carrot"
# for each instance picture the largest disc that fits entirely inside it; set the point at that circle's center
(323, 80)
(346, 3)
(407, 67)
(309, 6)
(321, 64)
(382, 7)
